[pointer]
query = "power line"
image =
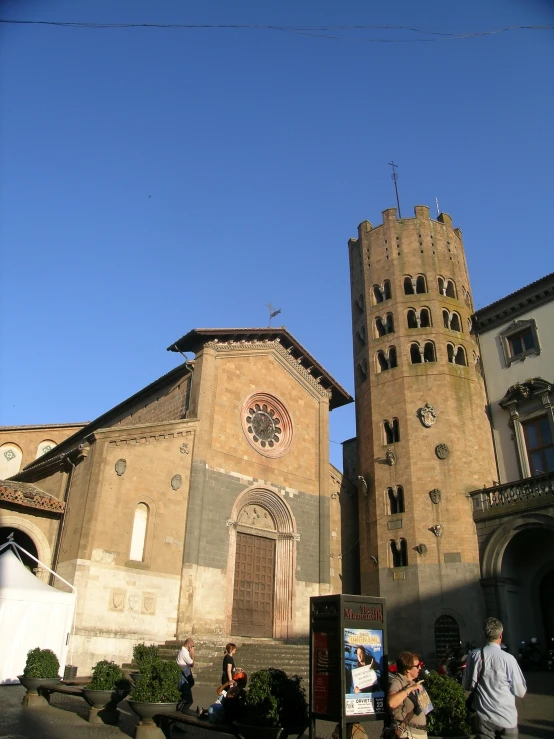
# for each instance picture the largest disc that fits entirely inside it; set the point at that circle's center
(314, 31)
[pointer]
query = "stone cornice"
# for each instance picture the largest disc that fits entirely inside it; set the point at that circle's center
(145, 430)
(296, 364)
(516, 304)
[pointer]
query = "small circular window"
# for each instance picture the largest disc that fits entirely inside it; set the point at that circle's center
(267, 424)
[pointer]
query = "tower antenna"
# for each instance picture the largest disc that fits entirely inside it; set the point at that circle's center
(272, 312)
(394, 178)
(438, 209)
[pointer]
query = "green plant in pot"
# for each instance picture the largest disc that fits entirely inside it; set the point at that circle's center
(142, 655)
(156, 691)
(275, 705)
(449, 715)
(41, 670)
(106, 689)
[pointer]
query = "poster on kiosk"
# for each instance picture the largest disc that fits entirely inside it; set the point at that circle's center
(348, 659)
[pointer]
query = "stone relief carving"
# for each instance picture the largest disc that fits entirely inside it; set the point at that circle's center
(390, 457)
(437, 530)
(176, 482)
(117, 599)
(134, 602)
(363, 483)
(148, 607)
(427, 415)
(184, 448)
(435, 495)
(421, 549)
(120, 467)
(101, 555)
(254, 515)
(442, 451)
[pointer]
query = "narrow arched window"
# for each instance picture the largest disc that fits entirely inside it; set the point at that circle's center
(447, 635)
(412, 319)
(138, 538)
(382, 365)
(392, 358)
(387, 290)
(442, 289)
(392, 431)
(450, 289)
(429, 352)
(446, 318)
(415, 354)
(460, 357)
(377, 294)
(399, 551)
(45, 446)
(450, 353)
(400, 498)
(421, 284)
(11, 457)
(425, 318)
(408, 286)
(455, 323)
(380, 326)
(389, 323)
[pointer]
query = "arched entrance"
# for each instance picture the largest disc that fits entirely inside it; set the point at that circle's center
(262, 557)
(518, 567)
(25, 541)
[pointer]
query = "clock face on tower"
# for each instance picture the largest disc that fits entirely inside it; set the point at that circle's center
(267, 424)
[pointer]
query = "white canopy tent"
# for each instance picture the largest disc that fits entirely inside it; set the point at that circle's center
(32, 614)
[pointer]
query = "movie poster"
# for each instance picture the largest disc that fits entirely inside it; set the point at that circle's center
(363, 668)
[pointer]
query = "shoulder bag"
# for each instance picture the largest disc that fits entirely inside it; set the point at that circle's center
(471, 696)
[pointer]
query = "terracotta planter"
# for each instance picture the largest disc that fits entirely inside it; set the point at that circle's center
(104, 705)
(32, 684)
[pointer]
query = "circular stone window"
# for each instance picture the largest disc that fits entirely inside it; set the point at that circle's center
(266, 424)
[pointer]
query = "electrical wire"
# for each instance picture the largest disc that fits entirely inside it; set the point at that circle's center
(313, 31)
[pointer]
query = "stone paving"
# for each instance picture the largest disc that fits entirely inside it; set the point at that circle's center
(66, 717)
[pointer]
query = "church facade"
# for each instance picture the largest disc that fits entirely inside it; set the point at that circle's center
(205, 504)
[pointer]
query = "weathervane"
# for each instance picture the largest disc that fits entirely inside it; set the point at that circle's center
(394, 178)
(272, 312)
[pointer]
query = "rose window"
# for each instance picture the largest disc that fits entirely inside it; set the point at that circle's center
(267, 424)
(264, 425)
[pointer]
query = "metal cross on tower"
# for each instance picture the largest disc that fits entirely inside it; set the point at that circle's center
(394, 178)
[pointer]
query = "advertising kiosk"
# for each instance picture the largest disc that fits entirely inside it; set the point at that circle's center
(348, 660)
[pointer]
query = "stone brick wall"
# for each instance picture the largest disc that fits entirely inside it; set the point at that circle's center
(28, 438)
(165, 404)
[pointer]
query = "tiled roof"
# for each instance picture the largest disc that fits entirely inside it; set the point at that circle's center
(25, 494)
(27, 427)
(195, 340)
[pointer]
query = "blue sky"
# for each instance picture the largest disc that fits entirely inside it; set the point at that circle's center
(156, 180)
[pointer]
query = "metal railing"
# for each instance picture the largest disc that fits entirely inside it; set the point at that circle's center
(521, 491)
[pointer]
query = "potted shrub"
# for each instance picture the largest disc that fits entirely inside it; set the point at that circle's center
(276, 706)
(106, 689)
(155, 692)
(449, 715)
(41, 670)
(143, 654)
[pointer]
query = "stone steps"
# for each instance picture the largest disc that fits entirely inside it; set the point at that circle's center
(251, 655)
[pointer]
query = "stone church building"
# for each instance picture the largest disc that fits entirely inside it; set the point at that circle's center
(206, 503)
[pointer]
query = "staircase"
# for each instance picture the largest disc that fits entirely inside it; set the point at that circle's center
(251, 655)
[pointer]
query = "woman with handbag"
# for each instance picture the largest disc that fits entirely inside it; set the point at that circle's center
(408, 716)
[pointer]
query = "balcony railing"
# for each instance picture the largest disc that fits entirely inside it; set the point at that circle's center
(531, 489)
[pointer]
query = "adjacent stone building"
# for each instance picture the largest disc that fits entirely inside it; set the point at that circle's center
(204, 504)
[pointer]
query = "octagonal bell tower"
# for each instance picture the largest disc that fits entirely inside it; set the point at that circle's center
(423, 436)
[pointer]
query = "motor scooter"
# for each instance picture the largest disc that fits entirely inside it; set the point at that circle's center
(529, 655)
(454, 661)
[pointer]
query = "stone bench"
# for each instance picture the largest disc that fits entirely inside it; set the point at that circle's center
(106, 715)
(165, 720)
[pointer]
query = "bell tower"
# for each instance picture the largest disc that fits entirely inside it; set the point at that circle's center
(423, 436)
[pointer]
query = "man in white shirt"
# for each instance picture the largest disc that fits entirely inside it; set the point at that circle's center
(497, 683)
(185, 660)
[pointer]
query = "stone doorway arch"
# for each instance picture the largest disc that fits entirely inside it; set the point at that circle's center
(264, 513)
(14, 522)
(515, 560)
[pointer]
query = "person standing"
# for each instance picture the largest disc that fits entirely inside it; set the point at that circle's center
(496, 684)
(185, 660)
(228, 663)
(407, 716)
